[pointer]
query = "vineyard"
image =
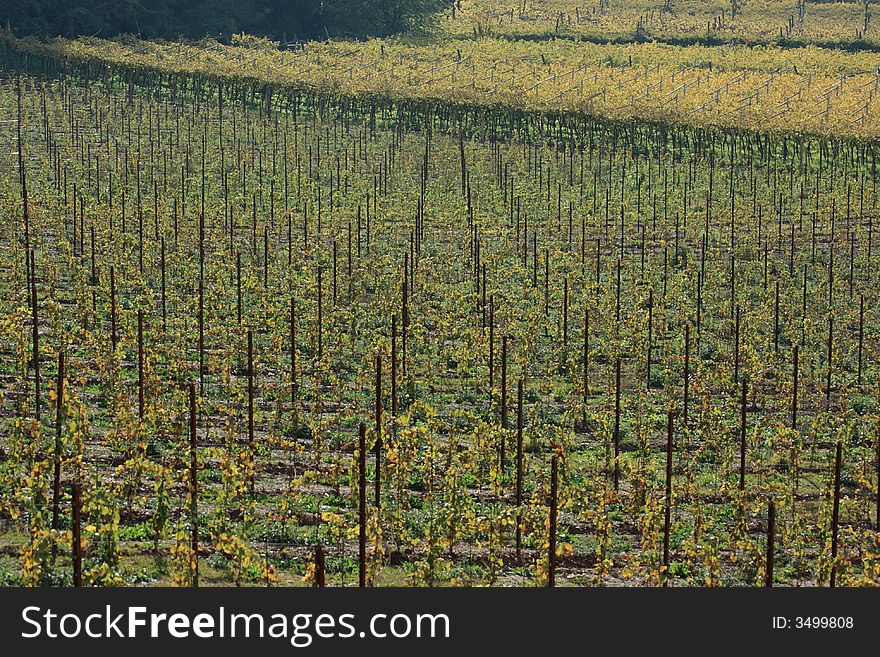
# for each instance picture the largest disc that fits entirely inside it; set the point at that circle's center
(854, 23)
(827, 92)
(478, 313)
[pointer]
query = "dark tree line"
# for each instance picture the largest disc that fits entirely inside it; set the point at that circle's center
(302, 19)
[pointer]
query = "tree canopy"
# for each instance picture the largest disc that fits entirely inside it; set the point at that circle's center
(302, 19)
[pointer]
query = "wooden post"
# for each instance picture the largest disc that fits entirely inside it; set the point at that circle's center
(140, 339)
(668, 510)
(320, 315)
(265, 257)
(519, 465)
(650, 336)
(503, 384)
(617, 424)
(877, 517)
(835, 515)
(687, 372)
(394, 366)
(742, 439)
(35, 321)
(59, 422)
(794, 392)
(830, 355)
(77, 536)
(201, 335)
(565, 317)
(293, 374)
(736, 349)
(194, 483)
(378, 445)
(113, 338)
(771, 529)
(861, 334)
(776, 320)
(404, 319)
(586, 358)
(491, 348)
(362, 505)
(238, 284)
(164, 302)
(250, 402)
(617, 303)
(319, 566)
(554, 476)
